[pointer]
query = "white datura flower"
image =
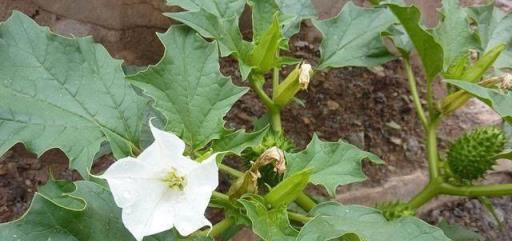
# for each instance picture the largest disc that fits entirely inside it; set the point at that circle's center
(162, 189)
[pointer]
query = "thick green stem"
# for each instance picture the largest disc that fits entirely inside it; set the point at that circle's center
(430, 100)
(298, 217)
(216, 230)
(475, 191)
(414, 92)
(262, 95)
(220, 227)
(305, 202)
(275, 82)
(229, 170)
(432, 151)
(220, 195)
(275, 118)
(429, 192)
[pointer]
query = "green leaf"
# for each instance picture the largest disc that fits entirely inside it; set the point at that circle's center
(458, 233)
(494, 28)
(270, 225)
(63, 93)
(400, 40)
(454, 33)
(264, 55)
(100, 220)
(188, 88)
(333, 163)
(288, 189)
(57, 192)
(497, 99)
(220, 8)
(291, 13)
(430, 52)
(236, 142)
(334, 220)
(217, 20)
(353, 37)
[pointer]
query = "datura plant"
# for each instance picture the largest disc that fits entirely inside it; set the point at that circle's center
(70, 94)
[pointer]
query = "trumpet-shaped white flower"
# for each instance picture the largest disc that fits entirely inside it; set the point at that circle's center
(162, 189)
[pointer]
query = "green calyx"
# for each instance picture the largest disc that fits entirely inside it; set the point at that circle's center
(174, 181)
(473, 154)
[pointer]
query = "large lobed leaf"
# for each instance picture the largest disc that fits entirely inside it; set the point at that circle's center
(353, 38)
(290, 13)
(499, 100)
(454, 33)
(430, 52)
(63, 93)
(332, 163)
(334, 220)
(217, 20)
(494, 26)
(270, 225)
(188, 88)
(98, 219)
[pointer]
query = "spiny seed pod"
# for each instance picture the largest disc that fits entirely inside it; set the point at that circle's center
(395, 210)
(472, 155)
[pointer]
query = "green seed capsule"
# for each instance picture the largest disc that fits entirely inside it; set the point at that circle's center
(473, 154)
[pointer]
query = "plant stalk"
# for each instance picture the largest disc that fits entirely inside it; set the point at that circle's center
(230, 171)
(432, 150)
(428, 192)
(305, 202)
(298, 217)
(476, 191)
(414, 92)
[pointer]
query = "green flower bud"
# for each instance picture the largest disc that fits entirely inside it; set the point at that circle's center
(473, 154)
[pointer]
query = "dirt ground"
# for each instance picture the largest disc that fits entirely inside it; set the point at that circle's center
(370, 108)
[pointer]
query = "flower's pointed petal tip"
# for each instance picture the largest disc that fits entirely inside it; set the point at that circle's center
(167, 138)
(117, 167)
(187, 228)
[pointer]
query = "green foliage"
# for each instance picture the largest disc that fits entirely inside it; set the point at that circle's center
(53, 218)
(192, 95)
(270, 225)
(353, 37)
(454, 33)
(333, 163)
(430, 52)
(493, 26)
(473, 154)
(237, 141)
(265, 54)
(290, 13)
(334, 220)
(217, 20)
(497, 99)
(458, 233)
(63, 93)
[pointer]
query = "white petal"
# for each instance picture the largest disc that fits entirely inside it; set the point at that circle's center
(146, 217)
(130, 180)
(170, 148)
(201, 182)
(187, 224)
(205, 176)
